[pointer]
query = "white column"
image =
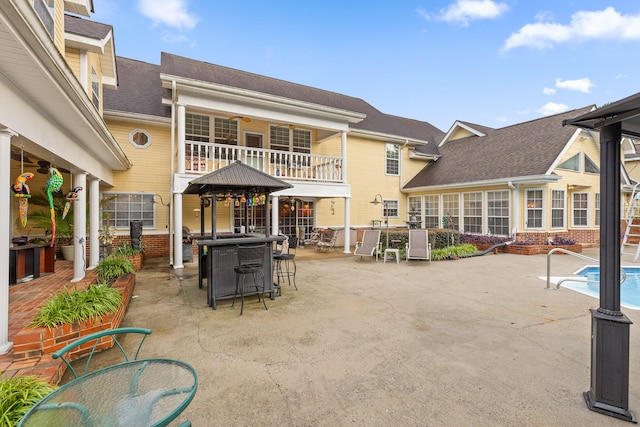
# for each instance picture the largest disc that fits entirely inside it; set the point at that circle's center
(5, 237)
(347, 225)
(80, 229)
(343, 139)
(274, 215)
(94, 222)
(181, 138)
(177, 230)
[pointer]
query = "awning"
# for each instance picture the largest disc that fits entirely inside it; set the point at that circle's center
(625, 111)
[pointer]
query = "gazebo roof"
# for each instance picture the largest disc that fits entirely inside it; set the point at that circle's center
(237, 177)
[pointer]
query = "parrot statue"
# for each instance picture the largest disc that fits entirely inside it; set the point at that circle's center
(22, 191)
(71, 197)
(53, 184)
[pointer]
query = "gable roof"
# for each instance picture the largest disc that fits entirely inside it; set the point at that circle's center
(375, 121)
(526, 149)
(94, 37)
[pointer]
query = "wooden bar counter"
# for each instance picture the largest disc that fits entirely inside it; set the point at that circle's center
(27, 262)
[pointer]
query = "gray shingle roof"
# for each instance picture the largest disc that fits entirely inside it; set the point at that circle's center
(520, 150)
(139, 90)
(85, 27)
(375, 121)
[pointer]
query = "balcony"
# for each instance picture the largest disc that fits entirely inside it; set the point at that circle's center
(204, 157)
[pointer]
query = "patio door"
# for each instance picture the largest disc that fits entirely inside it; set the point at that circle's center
(254, 158)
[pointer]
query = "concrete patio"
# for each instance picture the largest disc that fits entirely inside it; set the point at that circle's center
(477, 341)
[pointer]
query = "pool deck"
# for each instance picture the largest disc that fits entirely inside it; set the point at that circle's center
(477, 341)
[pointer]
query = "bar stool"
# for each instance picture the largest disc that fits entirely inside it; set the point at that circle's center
(285, 265)
(250, 264)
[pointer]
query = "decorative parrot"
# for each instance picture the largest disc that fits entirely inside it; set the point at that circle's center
(23, 193)
(53, 184)
(71, 197)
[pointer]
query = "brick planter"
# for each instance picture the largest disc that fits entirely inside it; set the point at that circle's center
(539, 249)
(37, 342)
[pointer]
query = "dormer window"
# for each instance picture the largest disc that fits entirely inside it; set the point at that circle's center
(95, 88)
(45, 10)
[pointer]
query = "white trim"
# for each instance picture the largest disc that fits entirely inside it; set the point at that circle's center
(542, 209)
(134, 144)
(533, 179)
(457, 124)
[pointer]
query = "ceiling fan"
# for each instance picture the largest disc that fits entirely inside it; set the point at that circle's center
(244, 119)
(44, 167)
(17, 156)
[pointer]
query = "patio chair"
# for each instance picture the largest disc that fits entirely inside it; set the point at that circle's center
(418, 246)
(329, 241)
(102, 340)
(370, 244)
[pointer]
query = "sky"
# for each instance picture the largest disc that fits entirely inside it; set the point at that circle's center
(489, 62)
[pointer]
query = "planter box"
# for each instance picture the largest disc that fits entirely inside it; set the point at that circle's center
(539, 249)
(136, 260)
(37, 342)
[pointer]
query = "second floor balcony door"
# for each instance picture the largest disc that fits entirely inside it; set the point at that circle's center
(254, 158)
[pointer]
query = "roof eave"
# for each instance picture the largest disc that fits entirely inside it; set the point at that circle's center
(533, 179)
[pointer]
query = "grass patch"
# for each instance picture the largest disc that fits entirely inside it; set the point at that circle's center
(75, 306)
(18, 395)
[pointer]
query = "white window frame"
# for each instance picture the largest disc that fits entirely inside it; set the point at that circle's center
(504, 197)
(562, 208)
(297, 140)
(430, 212)
(391, 162)
(597, 209)
(529, 208)
(121, 212)
(584, 209)
(95, 88)
(414, 204)
(390, 208)
(472, 212)
(456, 213)
(132, 136)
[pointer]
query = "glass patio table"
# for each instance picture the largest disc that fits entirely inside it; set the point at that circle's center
(148, 392)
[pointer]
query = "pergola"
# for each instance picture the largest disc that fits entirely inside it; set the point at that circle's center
(609, 393)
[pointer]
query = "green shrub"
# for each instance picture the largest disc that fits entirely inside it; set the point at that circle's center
(461, 251)
(126, 250)
(75, 306)
(18, 395)
(109, 268)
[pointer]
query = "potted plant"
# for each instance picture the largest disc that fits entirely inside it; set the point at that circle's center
(134, 255)
(40, 217)
(111, 267)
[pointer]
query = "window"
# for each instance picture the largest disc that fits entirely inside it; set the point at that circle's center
(472, 215)
(392, 166)
(197, 127)
(431, 211)
(225, 131)
(451, 211)
(284, 138)
(390, 208)
(95, 88)
(572, 164)
(122, 208)
(534, 209)
(45, 10)
(597, 219)
(590, 166)
(139, 138)
(580, 209)
(257, 218)
(557, 208)
(498, 212)
(414, 212)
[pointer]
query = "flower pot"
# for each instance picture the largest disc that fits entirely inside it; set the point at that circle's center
(67, 252)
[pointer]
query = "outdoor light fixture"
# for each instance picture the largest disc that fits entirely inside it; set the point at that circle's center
(385, 213)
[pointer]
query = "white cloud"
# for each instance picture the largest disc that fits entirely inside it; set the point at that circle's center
(548, 91)
(552, 108)
(463, 11)
(172, 13)
(580, 85)
(584, 25)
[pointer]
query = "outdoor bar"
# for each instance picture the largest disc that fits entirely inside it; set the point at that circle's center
(218, 253)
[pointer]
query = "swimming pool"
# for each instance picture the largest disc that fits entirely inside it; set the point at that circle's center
(629, 289)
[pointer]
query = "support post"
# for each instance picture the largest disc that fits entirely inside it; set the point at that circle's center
(609, 393)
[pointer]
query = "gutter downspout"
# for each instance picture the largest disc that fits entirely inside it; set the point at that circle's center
(172, 167)
(516, 207)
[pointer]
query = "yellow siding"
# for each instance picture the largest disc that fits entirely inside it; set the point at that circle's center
(59, 25)
(460, 133)
(73, 60)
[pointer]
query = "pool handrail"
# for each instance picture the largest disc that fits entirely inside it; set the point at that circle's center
(568, 252)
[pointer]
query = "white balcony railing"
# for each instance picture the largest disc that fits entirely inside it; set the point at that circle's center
(204, 157)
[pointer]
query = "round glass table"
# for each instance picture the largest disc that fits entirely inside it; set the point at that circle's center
(149, 392)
